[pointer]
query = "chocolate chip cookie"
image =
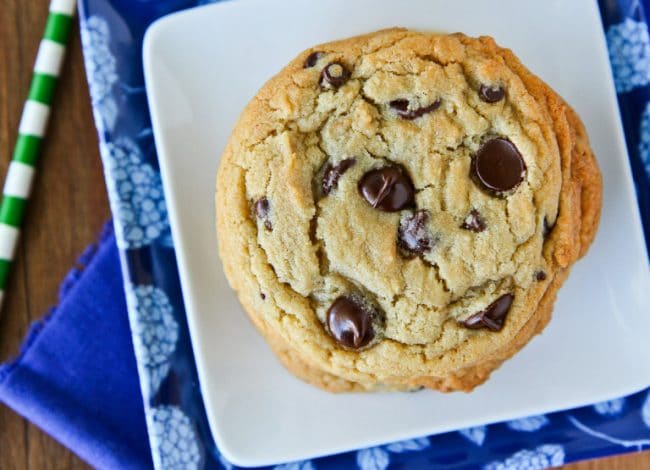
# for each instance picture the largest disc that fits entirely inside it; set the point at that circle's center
(399, 209)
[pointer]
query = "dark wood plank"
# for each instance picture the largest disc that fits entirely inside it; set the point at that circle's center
(65, 214)
(636, 461)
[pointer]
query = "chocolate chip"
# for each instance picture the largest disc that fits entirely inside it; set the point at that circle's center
(312, 59)
(335, 74)
(388, 189)
(474, 222)
(333, 173)
(540, 276)
(262, 295)
(498, 165)
(412, 235)
(491, 94)
(493, 317)
(401, 107)
(262, 209)
(548, 227)
(350, 322)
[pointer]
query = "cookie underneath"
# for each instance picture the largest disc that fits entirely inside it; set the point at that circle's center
(398, 210)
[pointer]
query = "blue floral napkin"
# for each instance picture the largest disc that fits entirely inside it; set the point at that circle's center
(77, 379)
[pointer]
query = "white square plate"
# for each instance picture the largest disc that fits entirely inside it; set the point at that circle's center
(203, 65)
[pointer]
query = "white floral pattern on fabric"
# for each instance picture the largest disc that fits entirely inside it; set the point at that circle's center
(629, 53)
(173, 438)
(374, 458)
(610, 407)
(645, 411)
(529, 424)
(409, 445)
(100, 70)
(136, 195)
(303, 465)
(644, 139)
(544, 456)
(476, 434)
(155, 332)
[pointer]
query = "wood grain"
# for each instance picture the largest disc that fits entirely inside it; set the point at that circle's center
(66, 212)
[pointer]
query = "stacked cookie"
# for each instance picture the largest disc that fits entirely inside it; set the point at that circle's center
(399, 209)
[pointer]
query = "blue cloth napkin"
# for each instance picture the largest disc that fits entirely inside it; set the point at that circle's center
(76, 375)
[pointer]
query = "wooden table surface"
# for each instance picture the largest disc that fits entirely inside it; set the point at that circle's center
(66, 213)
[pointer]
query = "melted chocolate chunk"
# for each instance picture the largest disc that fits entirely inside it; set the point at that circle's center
(491, 94)
(312, 59)
(388, 189)
(333, 173)
(412, 235)
(498, 165)
(474, 222)
(262, 209)
(493, 317)
(262, 295)
(350, 322)
(540, 276)
(548, 228)
(401, 107)
(335, 74)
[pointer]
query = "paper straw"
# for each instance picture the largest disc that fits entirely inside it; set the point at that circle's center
(31, 131)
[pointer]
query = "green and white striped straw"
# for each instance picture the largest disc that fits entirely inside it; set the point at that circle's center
(32, 130)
